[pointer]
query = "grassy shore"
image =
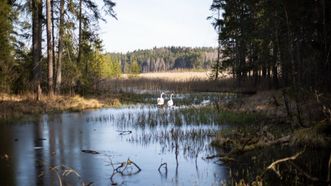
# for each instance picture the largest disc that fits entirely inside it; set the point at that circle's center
(14, 106)
(291, 122)
(294, 130)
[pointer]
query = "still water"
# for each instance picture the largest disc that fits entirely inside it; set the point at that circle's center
(52, 148)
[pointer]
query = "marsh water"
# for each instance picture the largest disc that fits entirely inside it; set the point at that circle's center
(87, 147)
(139, 144)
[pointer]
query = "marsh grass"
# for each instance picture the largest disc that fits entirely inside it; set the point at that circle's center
(187, 129)
(156, 85)
(16, 106)
(316, 136)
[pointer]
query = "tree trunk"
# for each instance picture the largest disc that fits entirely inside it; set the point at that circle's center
(49, 48)
(80, 33)
(60, 49)
(290, 49)
(218, 58)
(216, 68)
(36, 45)
(53, 38)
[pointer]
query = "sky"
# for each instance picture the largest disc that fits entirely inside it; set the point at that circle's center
(144, 24)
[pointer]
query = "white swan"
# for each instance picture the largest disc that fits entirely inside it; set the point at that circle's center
(160, 100)
(170, 102)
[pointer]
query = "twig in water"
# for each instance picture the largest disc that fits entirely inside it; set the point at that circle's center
(90, 151)
(125, 132)
(165, 168)
(121, 169)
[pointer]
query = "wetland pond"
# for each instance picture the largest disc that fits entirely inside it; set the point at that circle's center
(87, 147)
(138, 144)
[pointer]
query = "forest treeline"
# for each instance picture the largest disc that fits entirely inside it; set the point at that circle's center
(287, 43)
(53, 46)
(168, 58)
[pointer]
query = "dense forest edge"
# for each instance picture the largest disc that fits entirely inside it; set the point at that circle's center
(285, 46)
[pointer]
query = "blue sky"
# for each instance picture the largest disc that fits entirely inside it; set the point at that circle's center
(144, 24)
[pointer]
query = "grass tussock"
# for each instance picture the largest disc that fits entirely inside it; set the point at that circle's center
(13, 106)
(317, 136)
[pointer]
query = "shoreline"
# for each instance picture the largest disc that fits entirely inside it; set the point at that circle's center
(280, 123)
(18, 106)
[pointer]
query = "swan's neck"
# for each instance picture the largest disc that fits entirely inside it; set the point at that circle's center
(161, 95)
(171, 96)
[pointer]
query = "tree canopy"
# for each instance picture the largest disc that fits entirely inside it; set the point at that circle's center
(284, 42)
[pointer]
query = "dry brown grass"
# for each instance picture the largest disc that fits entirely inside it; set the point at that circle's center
(136, 85)
(12, 106)
(179, 75)
(176, 76)
(177, 80)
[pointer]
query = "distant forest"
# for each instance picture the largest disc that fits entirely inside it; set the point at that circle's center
(168, 58)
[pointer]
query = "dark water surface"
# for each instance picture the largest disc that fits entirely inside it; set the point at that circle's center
(48, 150)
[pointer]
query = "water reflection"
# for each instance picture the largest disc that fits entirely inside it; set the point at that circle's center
(42, 151)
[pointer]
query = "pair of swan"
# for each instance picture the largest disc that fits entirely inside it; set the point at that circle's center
(160, 100)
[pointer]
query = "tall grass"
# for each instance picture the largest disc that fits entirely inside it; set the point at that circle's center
(154, 85)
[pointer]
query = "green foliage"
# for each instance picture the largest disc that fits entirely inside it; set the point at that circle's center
(134, 68)
(7, 65)
(16, 34)
(113, 67)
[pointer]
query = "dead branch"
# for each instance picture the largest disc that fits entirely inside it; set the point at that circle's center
(124, 165)
(125, 132)
(121, 169)
(131, 162)
(272, 166)
(90, 151)
(165, 168)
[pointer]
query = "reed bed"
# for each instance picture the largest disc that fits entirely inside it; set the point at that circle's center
(156, 85)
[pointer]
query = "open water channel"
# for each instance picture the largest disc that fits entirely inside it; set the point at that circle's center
(94, 146)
